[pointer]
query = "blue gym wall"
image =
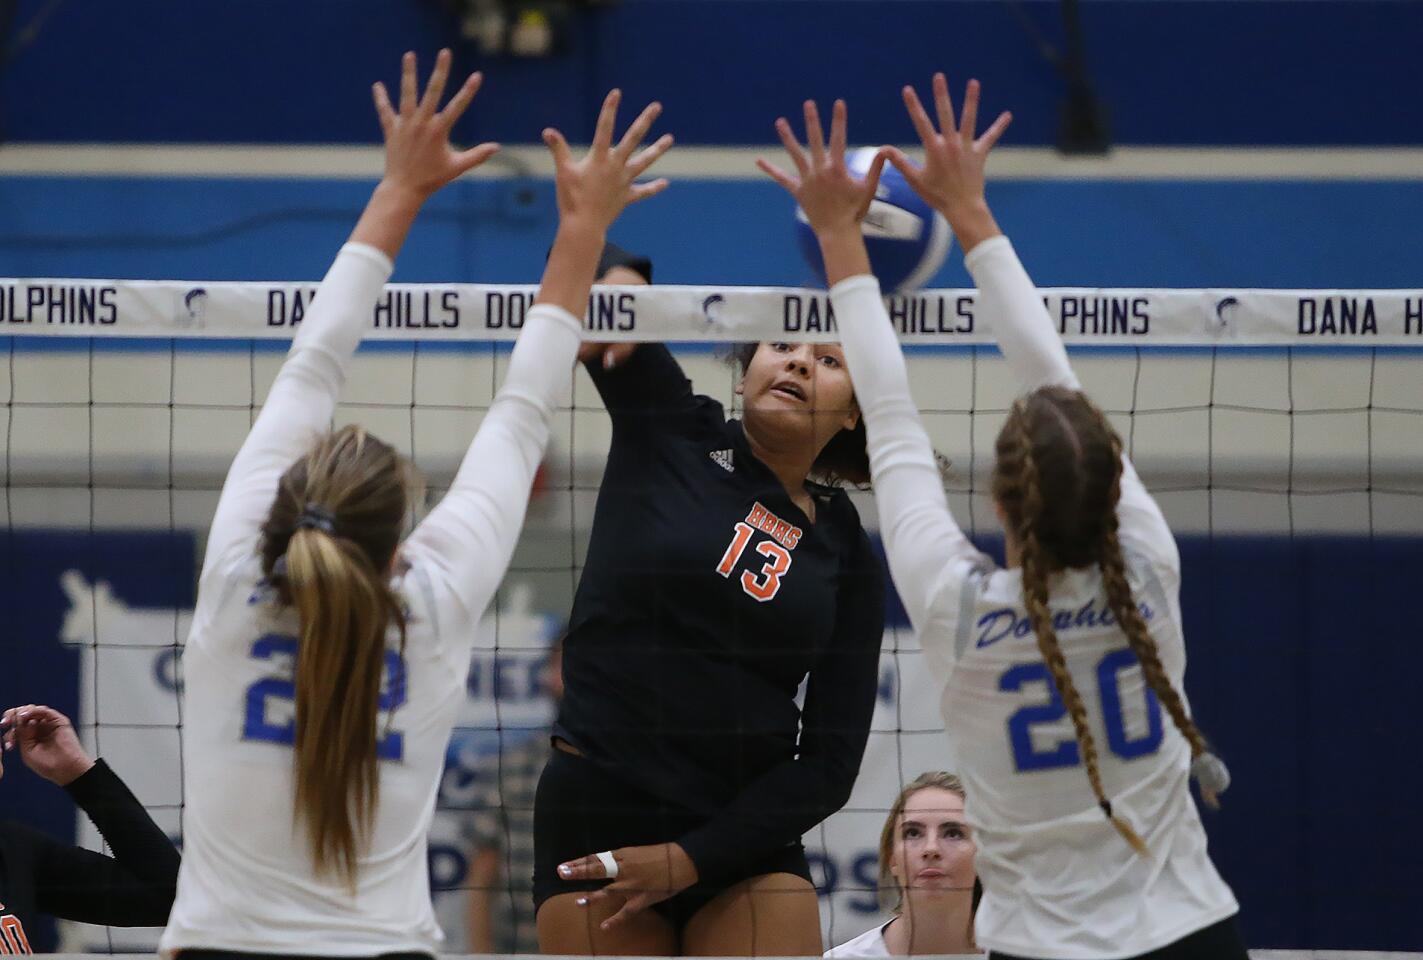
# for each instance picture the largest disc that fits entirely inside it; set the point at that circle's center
(1304, 655)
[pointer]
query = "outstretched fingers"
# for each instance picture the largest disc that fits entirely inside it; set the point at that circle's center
(467, 160)
(408, 89)
(460, 102)
(969, 121)
(649, 155)
(943, 104)
(917, 116)
(384, 111)
(814, 135)
(641, 191)
(558, 146)
(435, 89)
(788, 140)
(904, 165)
(839, 124)
(787, 181)
(607, 119)
(638, 130)
(870, 184)
(993, 133)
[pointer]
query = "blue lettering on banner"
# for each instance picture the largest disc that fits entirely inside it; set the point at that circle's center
(416, 310)
(863, 869)
(505, 311)
(448, 866)
(1338, 316)
(807, 315)
(60, 304)
(913, 314)
(1104, 316)
(503, 678)
(1413, 315)
(287, 309)
(610, 311)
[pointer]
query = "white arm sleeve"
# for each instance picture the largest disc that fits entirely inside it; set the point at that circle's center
(1031, 344)
(468, 539)
(301, 402)
(929, 556)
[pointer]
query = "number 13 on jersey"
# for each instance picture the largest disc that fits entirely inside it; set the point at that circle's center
(765, 586)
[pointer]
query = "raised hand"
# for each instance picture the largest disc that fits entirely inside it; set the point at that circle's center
(595, 189)
(952, 178)
(46, 741)
(832, 197)
(591, 193)
(418, 154)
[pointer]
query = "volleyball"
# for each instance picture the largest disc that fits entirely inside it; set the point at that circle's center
(907, 239)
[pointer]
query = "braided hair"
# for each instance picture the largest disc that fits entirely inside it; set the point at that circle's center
(1058, 480)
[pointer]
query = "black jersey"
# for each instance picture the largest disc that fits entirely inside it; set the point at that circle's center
(133, 888)
(706, 599)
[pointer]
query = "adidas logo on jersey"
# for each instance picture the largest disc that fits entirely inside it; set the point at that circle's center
(723, 460)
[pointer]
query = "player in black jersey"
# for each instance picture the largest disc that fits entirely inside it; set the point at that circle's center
(722, 570)
(133, 888)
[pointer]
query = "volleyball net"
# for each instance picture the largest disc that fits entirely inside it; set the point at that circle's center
(1281, 431)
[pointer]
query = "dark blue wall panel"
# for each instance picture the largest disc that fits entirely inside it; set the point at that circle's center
(275, 71)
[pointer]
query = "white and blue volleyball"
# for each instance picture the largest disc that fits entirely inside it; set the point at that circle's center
(907, 239)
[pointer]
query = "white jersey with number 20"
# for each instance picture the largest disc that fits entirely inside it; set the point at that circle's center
(1059, 881)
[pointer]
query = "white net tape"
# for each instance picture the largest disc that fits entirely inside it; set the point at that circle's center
(465, 312)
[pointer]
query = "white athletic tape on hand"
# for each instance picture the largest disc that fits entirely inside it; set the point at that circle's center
(610, 866)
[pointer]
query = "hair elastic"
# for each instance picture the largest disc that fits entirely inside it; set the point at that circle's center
(316, 517)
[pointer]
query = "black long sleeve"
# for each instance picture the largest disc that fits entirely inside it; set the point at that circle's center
(646, 391)
(133, 888)
(794, 796)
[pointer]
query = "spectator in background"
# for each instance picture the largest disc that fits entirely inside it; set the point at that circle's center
(501, 836)
(926, 873)
(38, 874)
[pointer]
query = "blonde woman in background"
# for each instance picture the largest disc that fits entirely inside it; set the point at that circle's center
(926, 866)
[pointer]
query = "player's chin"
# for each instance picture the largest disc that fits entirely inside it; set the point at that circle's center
(784, 425)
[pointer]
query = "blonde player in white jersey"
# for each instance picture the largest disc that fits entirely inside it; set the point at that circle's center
(327, 659)
(926, 875)
(1054, 672)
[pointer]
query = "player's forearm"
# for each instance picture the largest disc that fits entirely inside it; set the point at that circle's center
(971, 222)
(919, 531)
(844, 253)
(572, 266)
(1012, 306)
(388, 217)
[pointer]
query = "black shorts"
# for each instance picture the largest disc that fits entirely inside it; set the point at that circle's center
(1219, 941)
(579, 809)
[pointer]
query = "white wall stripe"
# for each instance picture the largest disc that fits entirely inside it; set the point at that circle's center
(729, 163)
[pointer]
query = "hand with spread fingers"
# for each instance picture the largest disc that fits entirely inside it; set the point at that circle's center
(46, 741)
(595, 189)
(592, 192)
(952, 177)
(833, 198)
(641, 876)
(418, 153)
(419, 158)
